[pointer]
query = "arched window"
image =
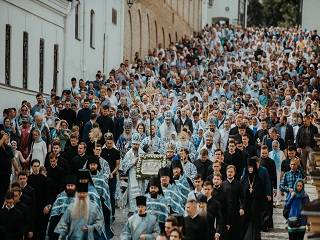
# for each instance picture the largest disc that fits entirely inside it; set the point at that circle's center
(41, 64)
(149, 37)
(8, 55)
(176, 37)
(140, 33)
(92, 29)
(131, 36)
(25, 54)
(55, 65)
(170, 38)
(156, 30)
(77, 21)
(163, 38)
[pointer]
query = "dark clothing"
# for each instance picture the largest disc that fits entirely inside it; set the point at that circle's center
(11, 224)
(56, 180)
(83, 116)
(223, 172)
(260, 134)
(237, 159)
(253, 189)
(69, 115)
(111, 156)
(305, 136)
(112, 188)
(289, 135)
(179, 124)
(234, 202)
(77, 163)
(285, 167)
(106, 124)
(214, 209)
(69, 153)
(86, 130)
(196, 228)
(269, 164)
(62, 163)
(220, 196)
(28, 196)
(27, 219)
(118, 127)
(203, 167)
(268, 141)
(235, 132)
(296, 235)
(54, 220)
(6, 156)
(250, 151)
(41, 187)
(269, 182)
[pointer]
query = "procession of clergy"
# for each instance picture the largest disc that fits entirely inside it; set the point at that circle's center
(232, 112)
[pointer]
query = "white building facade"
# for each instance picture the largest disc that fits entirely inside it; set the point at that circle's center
(310, 14)
(224, 11)
(44, 43)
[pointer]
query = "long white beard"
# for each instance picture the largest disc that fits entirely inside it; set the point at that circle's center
(202, 212)
(80, 209)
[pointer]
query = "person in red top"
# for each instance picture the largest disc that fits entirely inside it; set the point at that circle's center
(25, 135)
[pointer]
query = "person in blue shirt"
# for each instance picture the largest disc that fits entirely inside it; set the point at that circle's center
(289, 178)
(295, 202)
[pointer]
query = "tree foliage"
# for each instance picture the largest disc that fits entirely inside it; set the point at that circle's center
(274, 12)
(256, 16)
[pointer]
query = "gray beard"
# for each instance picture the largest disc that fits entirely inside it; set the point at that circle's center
(80, 209)
(202, 212)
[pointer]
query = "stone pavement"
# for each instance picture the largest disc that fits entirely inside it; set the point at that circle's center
(278, 233)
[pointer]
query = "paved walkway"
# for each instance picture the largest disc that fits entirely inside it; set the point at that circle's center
(278, 233)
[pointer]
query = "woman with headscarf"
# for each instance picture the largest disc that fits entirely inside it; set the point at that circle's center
(277, 156)
(38, 147)
(295, 202)
(253, 194)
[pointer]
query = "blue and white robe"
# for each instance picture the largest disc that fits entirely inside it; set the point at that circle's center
(157, 145)
(102, 188)
(184, 187)
(124, 144)
(158, 207)
(60, 205)
(137, 225)
(174, 197)
(71, 229)
(136, 187)
(189, 170)
(188, 145)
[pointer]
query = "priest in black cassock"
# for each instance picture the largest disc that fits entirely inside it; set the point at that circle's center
(235, 204)
(42, 192)
(269, 164)
(11, 220)
(254, 194)
(195, 226)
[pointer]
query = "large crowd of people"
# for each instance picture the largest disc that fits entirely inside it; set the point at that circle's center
(233, 112)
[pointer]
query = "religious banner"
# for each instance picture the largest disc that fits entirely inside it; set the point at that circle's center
(148, 165)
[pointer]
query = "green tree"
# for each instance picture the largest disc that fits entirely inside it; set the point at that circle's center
(255, 13)
(281, 12)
